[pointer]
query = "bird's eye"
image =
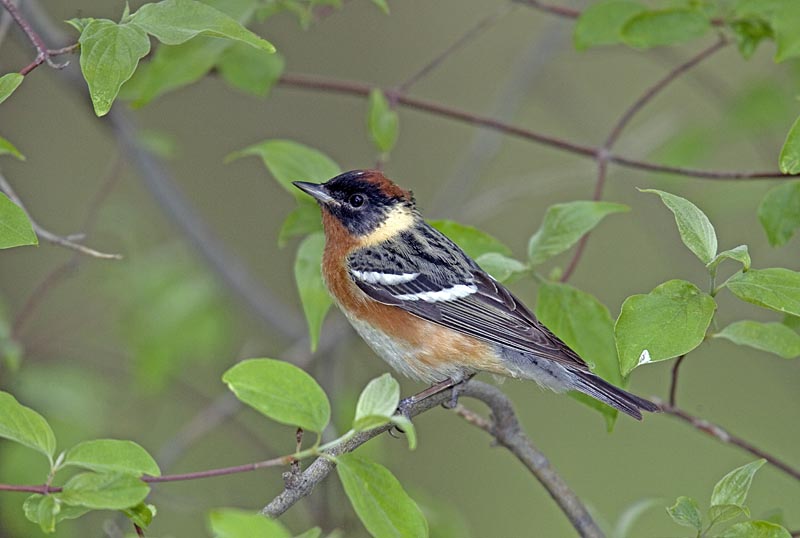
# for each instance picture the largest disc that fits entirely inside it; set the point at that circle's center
(356, 200)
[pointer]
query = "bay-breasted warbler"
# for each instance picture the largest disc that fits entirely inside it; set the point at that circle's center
(426, 307)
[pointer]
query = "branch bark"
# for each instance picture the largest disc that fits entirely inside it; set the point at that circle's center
(503, 426)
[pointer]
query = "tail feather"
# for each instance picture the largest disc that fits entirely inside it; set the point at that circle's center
(602, 390)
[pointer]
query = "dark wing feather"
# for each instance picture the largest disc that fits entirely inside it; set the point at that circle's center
(491, 313)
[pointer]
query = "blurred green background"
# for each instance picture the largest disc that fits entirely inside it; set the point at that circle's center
(135, 349)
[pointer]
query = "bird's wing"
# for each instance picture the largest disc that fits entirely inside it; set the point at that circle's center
(426, 274)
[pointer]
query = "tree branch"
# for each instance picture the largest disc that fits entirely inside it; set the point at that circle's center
(361, 89)
(43, 54)
(720, 434)
(49, 236)
(505, 428)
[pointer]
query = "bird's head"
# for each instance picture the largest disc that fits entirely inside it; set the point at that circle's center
(366, 203)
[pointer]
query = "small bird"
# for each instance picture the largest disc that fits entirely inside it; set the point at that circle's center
(426, 307)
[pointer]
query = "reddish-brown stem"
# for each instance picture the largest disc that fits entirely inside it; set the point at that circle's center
(43, 54)
(673, 386)
(139, 531)
(362, 89)
(720, 434)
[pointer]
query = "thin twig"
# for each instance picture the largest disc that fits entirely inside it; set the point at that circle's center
(719, 433)
(43, 53)
(604, 153)
(482, 25)
(506, 430)
(139, 530)
(565, 12)
(673, 386)
(50, 236)
(311, 82)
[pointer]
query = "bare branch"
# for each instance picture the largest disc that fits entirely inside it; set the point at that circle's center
(311, 82)
(43, 53)
(49, 236)
(504, 427)
(726, 437)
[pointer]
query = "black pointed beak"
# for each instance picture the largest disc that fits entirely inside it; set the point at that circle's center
(315, 190)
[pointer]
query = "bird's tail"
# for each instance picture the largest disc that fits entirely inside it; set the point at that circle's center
(602, 390)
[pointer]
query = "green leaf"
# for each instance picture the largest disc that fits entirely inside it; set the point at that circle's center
(110, 53)
(280, 391)
(725, 512)
(785, 24)
(585, 325)
(776, 288)
(38, 510)
(473, 241)
(499, 266)
(772, 337)
(302, 220)
(696, 230)
(316, 532)
(790, 152)
(379, 398)
(733, 487)
(176, 21)
(407, 427)
(383, 5)
(669, 321)
(106, 491)
(142, 514)
(313, 293)
(601, 23)
(779, 212)
(739, 254)
(686, 512)
(756, 529)
(791, 321)
(564, 224)
(380, 501)
(251, 70)
(112, 455)
(25, 426)
(664, 27)
(382, 121)
(234, 523)
(8, 83)
(289, 161)
(7, 148)
(15, 228)
(749, 34)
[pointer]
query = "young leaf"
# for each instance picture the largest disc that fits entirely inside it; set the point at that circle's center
(779, 211)
(499, 266)
(772, 337)
(252, 70)
(15, 228)
(686, 512)
(176, 21)
(25, 426)
(382, 121)
(34, 511)
(719, 513)
(280, 391)
(601, 23)
(383, 5)
(756, 529)
(110, 455)
(776, 288)
(380, 501)
(378, 399)
(233, 523)
(669, 321)
(7, 148)
(289, 161)
(302, 220)
(563, 226)
(473, 241)
(696, 230)
(313, 293)
(107, 491)
(733, 487)
(586, 326)
(142, 514)
(110, 53)
(790, 152)
(8, 83)
(739, 254)
(664, 27)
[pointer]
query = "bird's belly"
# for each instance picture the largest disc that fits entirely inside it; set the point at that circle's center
(410, 359)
